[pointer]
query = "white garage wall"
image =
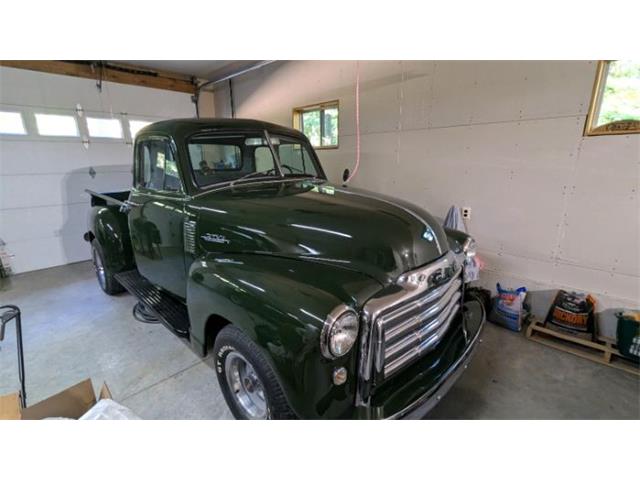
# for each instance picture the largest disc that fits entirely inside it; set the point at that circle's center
(43, 206)
(550, 208)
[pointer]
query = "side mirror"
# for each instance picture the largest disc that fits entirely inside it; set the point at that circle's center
(345, 175)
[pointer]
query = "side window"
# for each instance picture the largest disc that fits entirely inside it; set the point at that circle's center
(157, 166)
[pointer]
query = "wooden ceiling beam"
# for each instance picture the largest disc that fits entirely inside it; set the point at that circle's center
(109, 72)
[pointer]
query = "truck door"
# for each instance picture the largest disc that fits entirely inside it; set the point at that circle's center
(156, 214)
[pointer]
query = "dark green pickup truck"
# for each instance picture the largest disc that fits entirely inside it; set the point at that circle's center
(317, 300)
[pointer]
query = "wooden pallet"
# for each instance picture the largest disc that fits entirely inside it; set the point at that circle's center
(601, 352)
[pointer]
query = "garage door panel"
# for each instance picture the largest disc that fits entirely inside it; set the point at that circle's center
(16, 157)
(41, 157)
(20, 87)
(22, 224)
(62, 91)
(43, 203)
(47, 252)
(110, 154)
(22, 191)
(148, 101)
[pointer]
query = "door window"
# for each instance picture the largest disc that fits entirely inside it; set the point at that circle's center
(158, 169)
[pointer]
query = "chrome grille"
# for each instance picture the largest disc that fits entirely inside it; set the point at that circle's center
(417, 331)
(409, 323)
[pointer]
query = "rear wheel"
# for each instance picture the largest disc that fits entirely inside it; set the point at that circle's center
(248, 382)
(105, 276)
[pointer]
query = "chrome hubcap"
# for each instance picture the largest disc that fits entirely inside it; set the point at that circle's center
(99, 268)
(246, 388)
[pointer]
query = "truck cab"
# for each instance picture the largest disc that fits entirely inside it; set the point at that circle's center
(317, 300)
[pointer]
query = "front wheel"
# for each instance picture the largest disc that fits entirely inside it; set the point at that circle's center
(247, 381)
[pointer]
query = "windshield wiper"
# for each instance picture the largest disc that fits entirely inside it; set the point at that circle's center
(266, 173)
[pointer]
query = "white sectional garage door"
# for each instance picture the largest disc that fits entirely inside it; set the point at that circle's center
(43, 205)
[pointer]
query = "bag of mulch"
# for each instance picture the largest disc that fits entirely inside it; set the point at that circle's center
(573, 312)
(628, 334)
(509, 308)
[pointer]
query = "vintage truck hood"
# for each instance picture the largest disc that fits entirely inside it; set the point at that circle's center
(341, 226)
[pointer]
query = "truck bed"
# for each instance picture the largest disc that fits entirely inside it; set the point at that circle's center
(108, 198)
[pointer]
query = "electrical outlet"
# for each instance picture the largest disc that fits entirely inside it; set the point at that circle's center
(466, 212)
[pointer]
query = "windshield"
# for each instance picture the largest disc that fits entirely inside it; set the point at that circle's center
(230, 157)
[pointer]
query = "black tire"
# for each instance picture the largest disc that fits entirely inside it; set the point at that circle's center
(108, 283)
(232, 340)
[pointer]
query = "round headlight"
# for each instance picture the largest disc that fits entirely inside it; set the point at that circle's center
(339, 334)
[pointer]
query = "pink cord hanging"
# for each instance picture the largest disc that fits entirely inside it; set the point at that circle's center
(355, 169)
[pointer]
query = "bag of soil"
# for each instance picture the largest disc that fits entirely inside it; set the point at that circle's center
(509, 308)
(573, 312)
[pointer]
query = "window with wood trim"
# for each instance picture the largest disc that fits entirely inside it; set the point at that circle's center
(615, 102)
(319, 123)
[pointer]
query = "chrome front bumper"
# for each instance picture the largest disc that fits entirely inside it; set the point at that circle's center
(418, 409)
(419, 387)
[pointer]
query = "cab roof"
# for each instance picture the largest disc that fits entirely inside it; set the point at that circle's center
(181, 128)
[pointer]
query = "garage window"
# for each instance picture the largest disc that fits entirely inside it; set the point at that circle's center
(104, 127)
(135, 126)
(319, 123)
(615, 102)
(11, 123)
(56, 125)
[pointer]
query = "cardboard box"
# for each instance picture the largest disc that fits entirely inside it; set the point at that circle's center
(73, 402)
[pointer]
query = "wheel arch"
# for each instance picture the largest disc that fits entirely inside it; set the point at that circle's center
(214, 324)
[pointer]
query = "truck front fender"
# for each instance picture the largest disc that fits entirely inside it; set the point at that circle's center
(281, 304)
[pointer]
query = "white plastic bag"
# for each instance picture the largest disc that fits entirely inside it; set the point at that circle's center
(107, 409)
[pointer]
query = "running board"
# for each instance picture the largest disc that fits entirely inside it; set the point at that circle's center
(171, 312)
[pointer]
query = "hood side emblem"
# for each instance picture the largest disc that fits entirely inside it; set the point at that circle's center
(214, 238)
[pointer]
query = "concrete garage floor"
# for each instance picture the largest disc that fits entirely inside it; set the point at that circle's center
(73, 331)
